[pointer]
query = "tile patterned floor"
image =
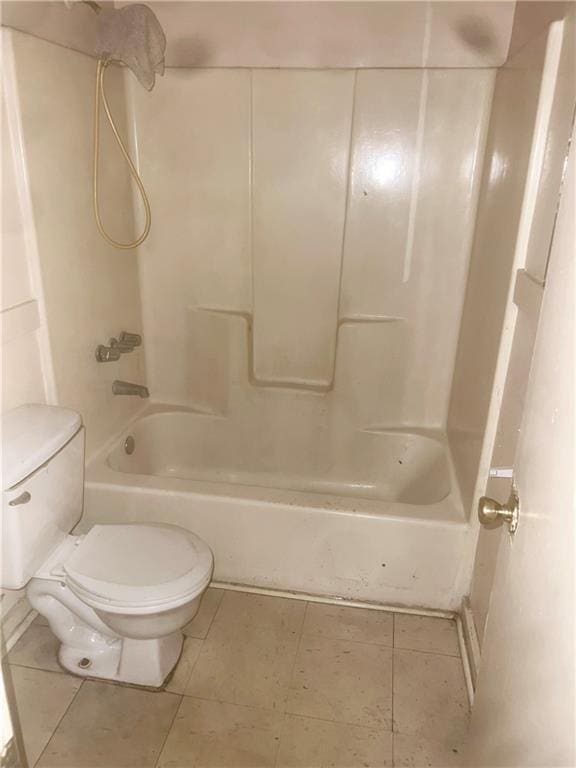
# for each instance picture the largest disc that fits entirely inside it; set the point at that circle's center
(262, 682)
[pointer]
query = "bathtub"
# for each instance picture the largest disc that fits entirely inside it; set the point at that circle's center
(364, 515)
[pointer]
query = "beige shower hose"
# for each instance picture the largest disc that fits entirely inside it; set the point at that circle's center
(101, 96)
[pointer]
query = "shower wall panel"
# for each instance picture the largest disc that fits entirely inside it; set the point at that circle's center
(193, 138)
(320, 221)
(384, 154)
(500, 204)
(418, 148)
(300, 145)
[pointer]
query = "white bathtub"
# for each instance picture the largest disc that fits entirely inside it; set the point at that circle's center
(369, 515)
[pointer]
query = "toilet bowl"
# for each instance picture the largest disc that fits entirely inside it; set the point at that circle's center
(117, 597)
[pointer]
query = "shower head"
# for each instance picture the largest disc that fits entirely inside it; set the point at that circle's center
(134, 36)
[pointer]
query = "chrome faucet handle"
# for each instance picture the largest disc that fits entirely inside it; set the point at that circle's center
(121, 346)
(134, 339)
(107, 354)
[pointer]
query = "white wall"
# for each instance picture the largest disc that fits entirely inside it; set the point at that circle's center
(26, 362)
(90, 290)
(27, 375)
(469, 33)
(51, 20)
(63, 289)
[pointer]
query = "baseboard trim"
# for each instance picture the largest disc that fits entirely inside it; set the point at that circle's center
(311, 598)
(16, 622)
(470, 641)
(466, 666)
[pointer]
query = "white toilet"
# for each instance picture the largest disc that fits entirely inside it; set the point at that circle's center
(116, 598)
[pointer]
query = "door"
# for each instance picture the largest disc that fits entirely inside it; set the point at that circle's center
(524, 710)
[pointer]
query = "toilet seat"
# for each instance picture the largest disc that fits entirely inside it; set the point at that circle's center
(138, 568)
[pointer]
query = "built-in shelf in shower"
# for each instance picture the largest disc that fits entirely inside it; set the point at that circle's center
(295, 384)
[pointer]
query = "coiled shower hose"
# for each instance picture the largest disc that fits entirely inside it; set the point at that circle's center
(101, 96)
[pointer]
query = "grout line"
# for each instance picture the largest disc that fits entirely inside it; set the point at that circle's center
(430, 653)
(192, 668)
(290, 678)
(375, 727)
(299, 643)
(346, 640)
(60, 671)
(59, 723)
(169, 730)
(427, 35)
(337, 722)
(216, 612)
(229, 703)
(202, 640)
(289, 714)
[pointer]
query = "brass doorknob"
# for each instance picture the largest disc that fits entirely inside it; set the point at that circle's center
(492, 514)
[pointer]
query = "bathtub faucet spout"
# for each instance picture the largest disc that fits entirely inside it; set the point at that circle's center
(126, 388)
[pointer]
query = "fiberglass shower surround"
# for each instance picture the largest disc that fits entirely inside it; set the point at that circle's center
(301, 372)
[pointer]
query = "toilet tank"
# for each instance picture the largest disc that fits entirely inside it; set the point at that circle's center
(42, 486)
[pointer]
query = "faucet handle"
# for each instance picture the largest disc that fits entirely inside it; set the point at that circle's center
(120, 346)
(133, 339)
(107, 354)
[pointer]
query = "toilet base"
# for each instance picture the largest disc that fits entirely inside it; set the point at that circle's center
(90, 648)
(139, 662)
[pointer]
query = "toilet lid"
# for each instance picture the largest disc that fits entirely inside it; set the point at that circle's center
(138, 565)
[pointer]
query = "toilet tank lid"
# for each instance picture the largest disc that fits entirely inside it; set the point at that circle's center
(31, 435)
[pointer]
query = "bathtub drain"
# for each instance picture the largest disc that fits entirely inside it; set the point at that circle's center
(129, 445)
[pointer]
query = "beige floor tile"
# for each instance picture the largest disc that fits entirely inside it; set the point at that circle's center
(210, 733)
(430, 697)
(345, 623)
(111, 726)
(415, 752)
(41, 620)
(37, 648)
(200, 624)
(426, 633)
(248, 654)
(42, 698)
(188, 658)
(242, 664)
(342, 680)
(271, 613)
(308, 743)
